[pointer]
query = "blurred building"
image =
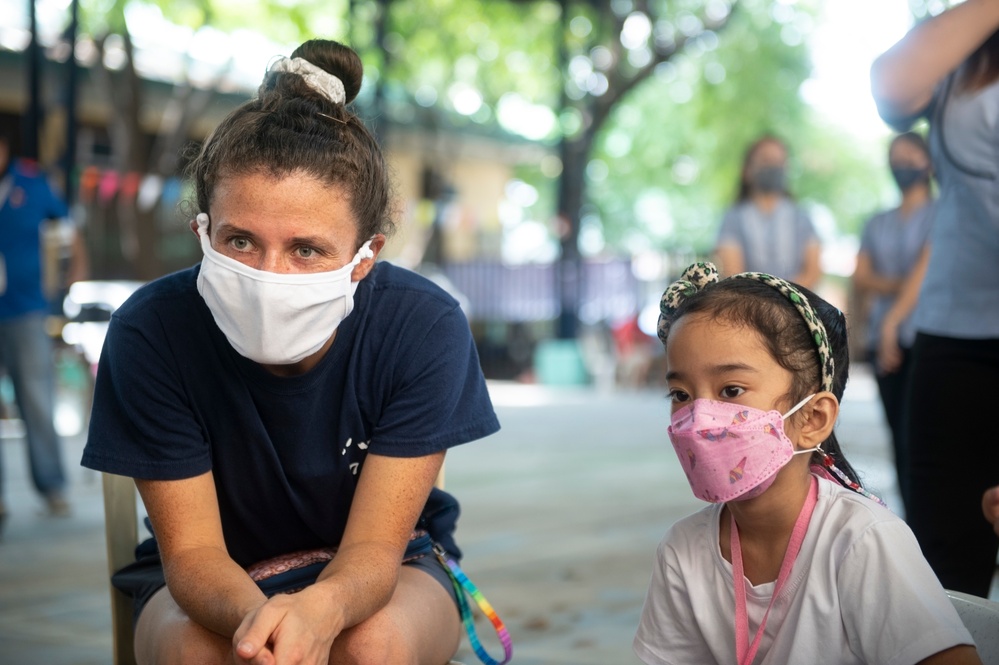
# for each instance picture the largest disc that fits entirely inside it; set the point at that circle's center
(452, 175)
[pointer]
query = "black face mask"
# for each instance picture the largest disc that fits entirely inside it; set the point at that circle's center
(906, 176)
(770, 179)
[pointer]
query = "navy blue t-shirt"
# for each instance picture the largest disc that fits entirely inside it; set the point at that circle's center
(174, 400)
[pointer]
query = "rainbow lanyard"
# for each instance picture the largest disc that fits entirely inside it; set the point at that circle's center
(463, 584)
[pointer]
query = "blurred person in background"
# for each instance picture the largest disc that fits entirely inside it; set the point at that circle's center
(765, 230)
(27, 205)
(946, 69)
(890, 246)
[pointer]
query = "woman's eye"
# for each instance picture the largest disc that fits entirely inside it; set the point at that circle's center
(239, 244)
(731, 392)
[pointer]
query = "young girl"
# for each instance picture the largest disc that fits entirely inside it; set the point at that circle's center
(794, 562)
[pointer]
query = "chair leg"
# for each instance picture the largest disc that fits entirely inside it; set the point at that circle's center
(121, 534)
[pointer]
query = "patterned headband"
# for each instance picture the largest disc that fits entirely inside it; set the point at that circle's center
(319, 79)
(700, 275)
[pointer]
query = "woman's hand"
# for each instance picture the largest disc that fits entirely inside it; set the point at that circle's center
(889, 357)
(289, 629)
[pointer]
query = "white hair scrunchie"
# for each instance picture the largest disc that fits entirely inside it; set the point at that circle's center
(318, 79)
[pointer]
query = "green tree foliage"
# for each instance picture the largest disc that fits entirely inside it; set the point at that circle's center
(668, 161)
(665, 156)
(495, 46)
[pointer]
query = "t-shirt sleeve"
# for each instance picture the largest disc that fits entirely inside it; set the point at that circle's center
(728, 231)
(806, 228)
(440, 399)
(866, 235)
(667, 627)
(54, 206)
(142, 424)
(900, 613)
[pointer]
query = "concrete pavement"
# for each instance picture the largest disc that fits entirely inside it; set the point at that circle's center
(562, 512)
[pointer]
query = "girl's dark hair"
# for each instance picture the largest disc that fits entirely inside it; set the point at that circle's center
(753, 304)
(290, 127)
(981, 67)
(744, 191)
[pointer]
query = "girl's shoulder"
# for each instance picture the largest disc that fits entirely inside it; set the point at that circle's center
(692, 535)
(847, 516)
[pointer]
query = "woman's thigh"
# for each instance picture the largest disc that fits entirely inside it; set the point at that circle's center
(165, 635)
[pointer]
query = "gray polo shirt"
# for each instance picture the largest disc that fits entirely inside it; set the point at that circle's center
(773, 243)
(960, 295)
(893, 245)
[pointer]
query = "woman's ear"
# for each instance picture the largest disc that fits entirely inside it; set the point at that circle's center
(362, 269)
(819, 417)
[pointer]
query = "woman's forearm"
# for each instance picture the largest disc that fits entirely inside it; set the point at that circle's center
(866, 279)
(212, 589)
(362, 579)
(908, 295)
(903, 77)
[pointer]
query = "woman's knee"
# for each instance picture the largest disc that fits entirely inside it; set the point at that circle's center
(402, 633)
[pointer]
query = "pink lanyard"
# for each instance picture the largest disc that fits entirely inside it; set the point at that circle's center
(744, 652)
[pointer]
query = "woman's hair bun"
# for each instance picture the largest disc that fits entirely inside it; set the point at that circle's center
(339, 60)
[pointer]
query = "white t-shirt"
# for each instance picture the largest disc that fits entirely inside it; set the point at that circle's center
(860, 591)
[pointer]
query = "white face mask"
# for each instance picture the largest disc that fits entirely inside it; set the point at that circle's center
(274, 318)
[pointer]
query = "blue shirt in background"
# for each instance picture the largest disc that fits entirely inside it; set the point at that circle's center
(28, 204)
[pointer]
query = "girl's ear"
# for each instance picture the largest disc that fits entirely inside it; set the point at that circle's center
(819, 419)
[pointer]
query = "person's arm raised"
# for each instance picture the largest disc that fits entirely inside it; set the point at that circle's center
(903, 77)
(206, 583)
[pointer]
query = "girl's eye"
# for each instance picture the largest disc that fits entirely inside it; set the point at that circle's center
(731, 392)
(678, 396)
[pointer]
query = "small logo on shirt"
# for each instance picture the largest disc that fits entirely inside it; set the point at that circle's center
(361, 445)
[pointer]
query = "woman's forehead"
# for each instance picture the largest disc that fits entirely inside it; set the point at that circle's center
(296, 203)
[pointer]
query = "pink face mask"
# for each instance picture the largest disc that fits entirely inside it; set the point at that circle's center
(730, 451)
